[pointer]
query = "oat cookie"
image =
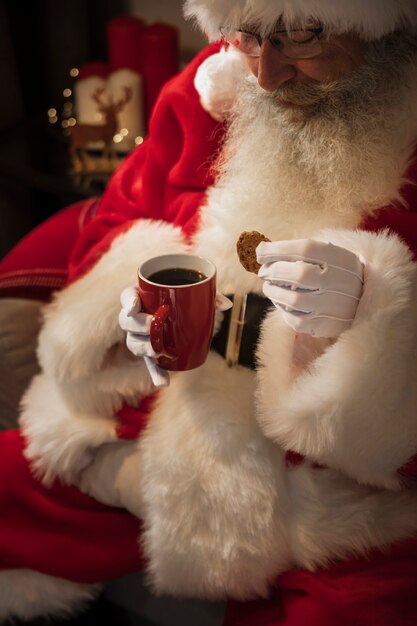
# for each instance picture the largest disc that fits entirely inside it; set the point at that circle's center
(246, 249)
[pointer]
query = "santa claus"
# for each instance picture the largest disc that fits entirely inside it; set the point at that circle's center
(284, 483)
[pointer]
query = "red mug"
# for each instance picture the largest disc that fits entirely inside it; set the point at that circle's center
(179, 290)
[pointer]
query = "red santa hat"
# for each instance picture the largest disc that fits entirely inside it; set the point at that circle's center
(371, 19)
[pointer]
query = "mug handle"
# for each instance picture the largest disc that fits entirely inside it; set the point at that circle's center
(157, 329)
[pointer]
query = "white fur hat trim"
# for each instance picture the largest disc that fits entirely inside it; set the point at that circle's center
(371, 19)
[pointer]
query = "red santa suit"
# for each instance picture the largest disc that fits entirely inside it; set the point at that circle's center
(226, 512)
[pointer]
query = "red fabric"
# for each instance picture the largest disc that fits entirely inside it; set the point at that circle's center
(378, 590)
(410, 468)
(47, 529)
(60, 531)
(133, 420)
(63, 533)
(38, 264)
(400, 221)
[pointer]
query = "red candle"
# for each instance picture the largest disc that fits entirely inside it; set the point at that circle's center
(124, 43)
(95, 68)
(160, 59)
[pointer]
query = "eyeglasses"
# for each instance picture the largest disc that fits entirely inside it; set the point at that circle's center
(295, 43)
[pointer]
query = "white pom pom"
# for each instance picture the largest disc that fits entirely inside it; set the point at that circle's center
(216, 81)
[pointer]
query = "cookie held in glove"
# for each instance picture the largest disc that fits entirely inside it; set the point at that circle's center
(246, 249)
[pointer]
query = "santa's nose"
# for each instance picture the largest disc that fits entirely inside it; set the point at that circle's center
(273, 69)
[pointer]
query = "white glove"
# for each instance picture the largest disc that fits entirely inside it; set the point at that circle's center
(316, 285)
(113, 476)
(137, 328)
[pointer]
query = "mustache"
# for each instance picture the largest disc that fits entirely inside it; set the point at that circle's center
(305, 94)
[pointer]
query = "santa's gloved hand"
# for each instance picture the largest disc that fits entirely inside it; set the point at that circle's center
(113, 476)
(136, 325)
(316, 285)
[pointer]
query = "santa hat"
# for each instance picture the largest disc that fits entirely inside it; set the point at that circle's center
(371, 19)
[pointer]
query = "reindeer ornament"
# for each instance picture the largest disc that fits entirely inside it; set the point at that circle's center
(84, 134)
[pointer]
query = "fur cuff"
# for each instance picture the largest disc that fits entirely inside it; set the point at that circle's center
(81, 325)
(354, 408)
(60, 442)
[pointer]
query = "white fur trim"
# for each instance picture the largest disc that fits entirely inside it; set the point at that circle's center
(213, 487)
(82, 322)
(334, 518)
(60, 441)
(88, 374)
(354, 408)
(222, 514)
(216, 81)
(369, 18)
(26, 594)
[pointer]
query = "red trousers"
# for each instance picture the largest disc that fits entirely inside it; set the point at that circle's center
(61, 532)
(380, 590)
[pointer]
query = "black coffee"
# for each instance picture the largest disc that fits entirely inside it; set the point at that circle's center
(177, 276)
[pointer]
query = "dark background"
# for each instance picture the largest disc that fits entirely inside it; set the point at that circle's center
(40, 41)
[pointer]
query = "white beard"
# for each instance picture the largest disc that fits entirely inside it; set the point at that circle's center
(288, 174)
